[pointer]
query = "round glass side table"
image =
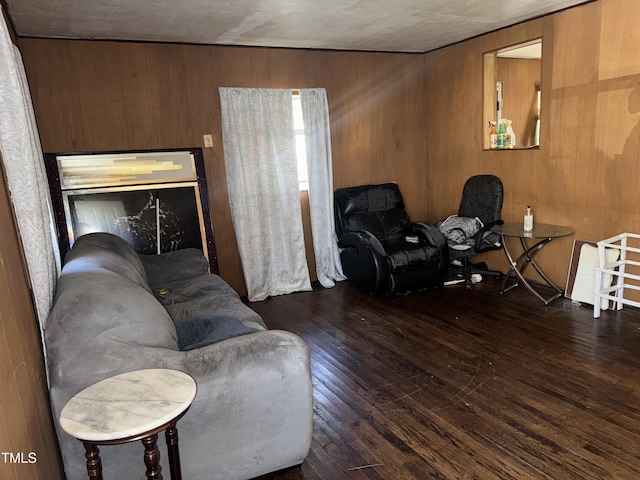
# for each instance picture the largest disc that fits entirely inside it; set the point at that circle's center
(542, 234)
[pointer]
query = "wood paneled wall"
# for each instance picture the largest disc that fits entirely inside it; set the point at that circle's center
(92, 96)
(25, 418)
(586, 172)
(414, 119)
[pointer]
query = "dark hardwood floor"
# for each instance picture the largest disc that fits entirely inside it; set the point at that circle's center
(466, 384)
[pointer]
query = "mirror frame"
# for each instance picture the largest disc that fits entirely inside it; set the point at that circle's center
(58, 200)
(489, 95)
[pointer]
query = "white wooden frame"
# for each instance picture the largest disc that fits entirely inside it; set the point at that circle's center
(618, 269)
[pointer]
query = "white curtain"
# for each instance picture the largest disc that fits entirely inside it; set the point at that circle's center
(26, 178)
(315, 114)
(262, 178)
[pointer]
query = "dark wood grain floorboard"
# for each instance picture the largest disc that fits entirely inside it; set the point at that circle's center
(465, 384)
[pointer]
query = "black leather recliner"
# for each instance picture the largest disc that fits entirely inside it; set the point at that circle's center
(382, 251)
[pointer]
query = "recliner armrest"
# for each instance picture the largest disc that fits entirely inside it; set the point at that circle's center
(434, 236)
(364, 258)
(430, 233)
(361, 239)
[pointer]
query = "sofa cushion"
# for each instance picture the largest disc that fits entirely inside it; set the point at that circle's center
(197, 332)
(105, 250)
(177, 265)
(204, 295)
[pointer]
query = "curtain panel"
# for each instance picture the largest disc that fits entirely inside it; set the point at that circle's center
(315, 114)
(26, 179)
(261, 165)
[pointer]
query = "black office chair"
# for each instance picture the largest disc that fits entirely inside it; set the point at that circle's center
(469, 232)
(381, 250)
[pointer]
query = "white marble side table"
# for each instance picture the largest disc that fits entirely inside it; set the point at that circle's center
(128, 407)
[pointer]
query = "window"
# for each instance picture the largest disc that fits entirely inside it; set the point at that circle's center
(301, 150)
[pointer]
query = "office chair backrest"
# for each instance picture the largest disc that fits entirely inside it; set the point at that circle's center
(482, 197)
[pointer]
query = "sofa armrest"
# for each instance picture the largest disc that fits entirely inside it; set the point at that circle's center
(252, 413)
(250, 388)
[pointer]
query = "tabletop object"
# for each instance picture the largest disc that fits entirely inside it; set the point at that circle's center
(544, 234)
(128, 407)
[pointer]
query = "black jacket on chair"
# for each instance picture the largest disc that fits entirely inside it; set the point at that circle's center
(382, 251)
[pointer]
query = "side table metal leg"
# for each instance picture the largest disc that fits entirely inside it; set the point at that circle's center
(152, 457)
(171, 435)
(512, 269)
(519, 266)
(94, 463)
(530, 253)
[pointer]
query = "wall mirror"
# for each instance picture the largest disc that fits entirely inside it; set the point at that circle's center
(512, 92)
(155, 200)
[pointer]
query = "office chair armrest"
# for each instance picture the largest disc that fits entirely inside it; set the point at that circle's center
(483, 233)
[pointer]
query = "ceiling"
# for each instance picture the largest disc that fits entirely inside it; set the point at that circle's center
(368, 25)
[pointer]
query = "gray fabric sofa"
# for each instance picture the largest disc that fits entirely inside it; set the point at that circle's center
(253, 410)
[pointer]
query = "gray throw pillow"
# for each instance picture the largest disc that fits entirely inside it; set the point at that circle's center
(198, 332)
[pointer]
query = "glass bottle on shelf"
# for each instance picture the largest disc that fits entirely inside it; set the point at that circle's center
(501, 135)
(493, 135)
(510, 136)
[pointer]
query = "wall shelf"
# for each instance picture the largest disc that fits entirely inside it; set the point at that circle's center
(532, 147)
